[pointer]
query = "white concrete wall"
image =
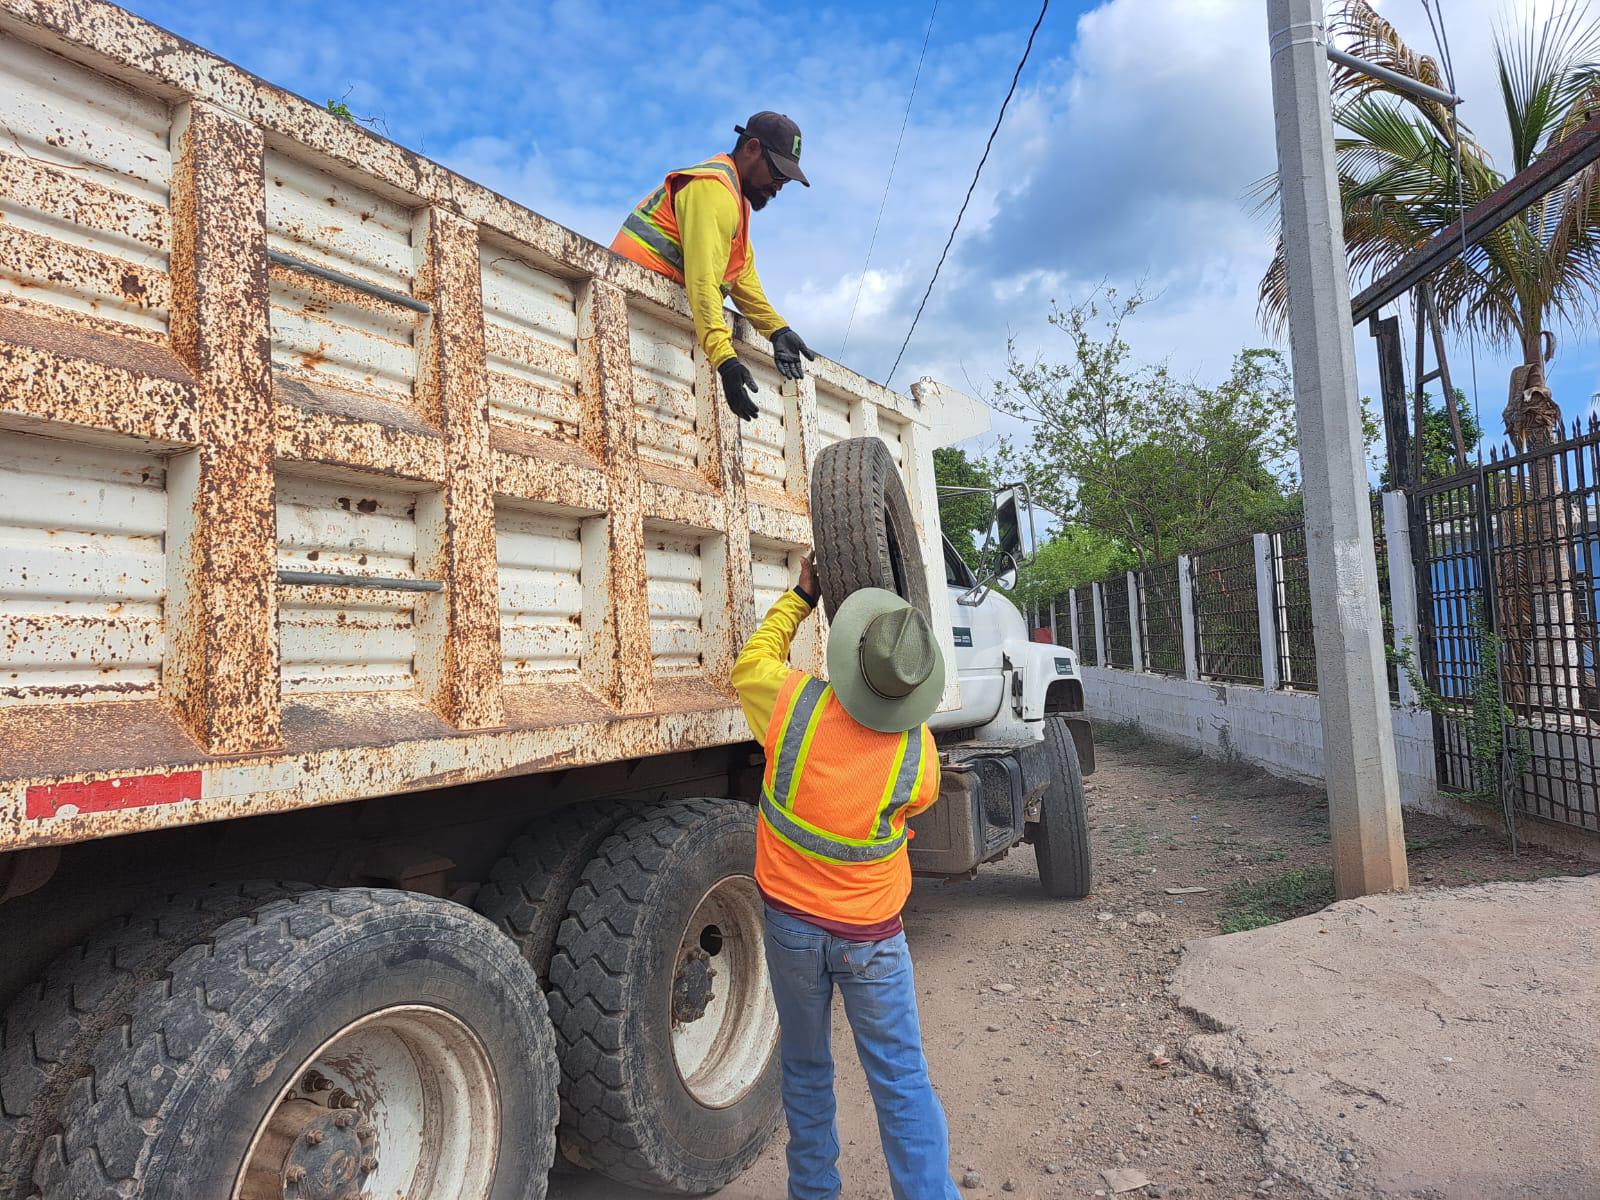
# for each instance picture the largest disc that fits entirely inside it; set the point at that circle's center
(1278, 730)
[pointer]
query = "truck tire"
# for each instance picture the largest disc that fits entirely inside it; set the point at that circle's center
(861, 525)
(665, 1024)
(325, 1043)
(52, 1026)
(528, 890)
(1061, 835)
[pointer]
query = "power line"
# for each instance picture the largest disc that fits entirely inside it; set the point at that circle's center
(884, 203)
(1017, 74)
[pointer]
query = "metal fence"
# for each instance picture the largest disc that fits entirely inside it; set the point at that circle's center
(1086, 637)
(1116, 633)
(1297, 648)
(1161, 619)
(1291, 587)
(1506, 557)
(1227, 620)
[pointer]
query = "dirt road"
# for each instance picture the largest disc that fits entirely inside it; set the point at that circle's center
(1049, 1030)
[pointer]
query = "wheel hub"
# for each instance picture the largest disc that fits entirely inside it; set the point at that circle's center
(317, 1146)
(692, 990)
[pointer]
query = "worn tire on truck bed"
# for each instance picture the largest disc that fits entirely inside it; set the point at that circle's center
(320, 1042)
(1061, 836)
(665, 1024)
(861, 525)
(528, 890)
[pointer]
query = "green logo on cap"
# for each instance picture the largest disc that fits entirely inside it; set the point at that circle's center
(796, 152)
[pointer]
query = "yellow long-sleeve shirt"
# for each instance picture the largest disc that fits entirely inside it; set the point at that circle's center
(708, 217)
(763, 664)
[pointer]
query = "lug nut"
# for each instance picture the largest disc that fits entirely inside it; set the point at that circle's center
(368, 1163)
(365, 1131)
(316, 1081)
(294, 1174)
(314, 1137)
(339, 1098)
(344, 1118)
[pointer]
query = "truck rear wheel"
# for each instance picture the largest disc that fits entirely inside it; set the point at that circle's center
(1061, 835)
(665, 1023)
(528, 890)
(323, 1045)
(861, 522)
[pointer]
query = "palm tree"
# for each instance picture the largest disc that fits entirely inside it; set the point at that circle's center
(1404, 167)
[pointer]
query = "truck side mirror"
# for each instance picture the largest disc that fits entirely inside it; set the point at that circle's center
(1013, 517)
(1006, 577)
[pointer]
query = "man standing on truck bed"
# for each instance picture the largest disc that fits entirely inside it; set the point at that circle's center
(695, 229)
(847, 763)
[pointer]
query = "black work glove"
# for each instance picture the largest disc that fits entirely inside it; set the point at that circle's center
(787, 347)
(737, 386)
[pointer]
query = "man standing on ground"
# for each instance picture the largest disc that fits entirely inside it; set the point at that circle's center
(847, 763)
(695, 229)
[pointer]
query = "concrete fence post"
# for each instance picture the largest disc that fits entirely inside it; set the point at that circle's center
(1267, 610)
(1191, 639)
(1135, 625)
(1073, 638)
(1099, 594)
(1402, 583)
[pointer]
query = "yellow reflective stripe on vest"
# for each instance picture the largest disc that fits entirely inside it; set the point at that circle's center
(905, 782)
(720, 168)
(639, 228)
(794, 739)
(830, 847)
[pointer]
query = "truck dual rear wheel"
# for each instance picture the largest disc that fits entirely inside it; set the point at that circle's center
(1061, 835)
(665, 1023)
(316, 1045)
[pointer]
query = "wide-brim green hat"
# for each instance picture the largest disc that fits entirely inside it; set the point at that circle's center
(884, 662)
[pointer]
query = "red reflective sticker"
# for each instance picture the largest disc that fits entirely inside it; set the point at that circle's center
(108, 795)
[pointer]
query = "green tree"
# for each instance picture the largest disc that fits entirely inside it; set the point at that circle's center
(1438, 446)
(1399, 182)
(1074, 556)
(965, 519)
(1156, 464)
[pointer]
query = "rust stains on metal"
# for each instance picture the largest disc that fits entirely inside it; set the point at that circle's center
(221, 669)
(458, 652)
(55, 372)
(308, 431)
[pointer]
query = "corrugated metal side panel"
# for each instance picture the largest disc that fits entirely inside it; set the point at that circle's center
(85, 172)
(674, 561)
(530, 321)
(763, 440)
(323, 333)
(541, 594)
(893, 434)
(82, 571)
(346, 641)
(833, 416)
(664, 357)
(775, 567)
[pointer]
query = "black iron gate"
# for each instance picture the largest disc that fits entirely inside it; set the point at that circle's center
(1506, 555)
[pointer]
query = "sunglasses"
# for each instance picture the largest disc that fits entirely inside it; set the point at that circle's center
(778, 177)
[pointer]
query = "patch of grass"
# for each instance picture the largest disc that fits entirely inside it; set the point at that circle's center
(1120, 735)
(1292, 894)
(1269, 856)
(1131, 843)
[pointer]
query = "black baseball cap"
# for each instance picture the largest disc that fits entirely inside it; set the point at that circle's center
(781, 138)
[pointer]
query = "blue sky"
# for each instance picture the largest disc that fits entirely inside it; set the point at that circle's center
(1126, 156)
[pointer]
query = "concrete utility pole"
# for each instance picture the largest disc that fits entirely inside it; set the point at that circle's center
(1357, 732)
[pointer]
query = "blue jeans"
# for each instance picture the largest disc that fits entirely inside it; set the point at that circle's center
(880, 999)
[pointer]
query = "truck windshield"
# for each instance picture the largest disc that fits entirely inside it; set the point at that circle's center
(956, 572)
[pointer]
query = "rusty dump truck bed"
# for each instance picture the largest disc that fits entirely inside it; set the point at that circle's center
(248, 352)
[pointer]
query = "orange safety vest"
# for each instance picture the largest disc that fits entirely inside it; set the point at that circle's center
(831, 838)
(650, 234)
